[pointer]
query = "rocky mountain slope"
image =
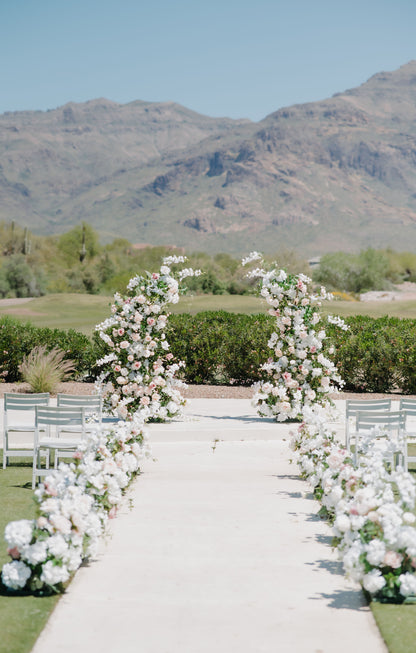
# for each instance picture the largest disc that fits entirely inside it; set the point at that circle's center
(336, 174)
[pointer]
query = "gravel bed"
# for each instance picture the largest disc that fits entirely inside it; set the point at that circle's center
(191, 392)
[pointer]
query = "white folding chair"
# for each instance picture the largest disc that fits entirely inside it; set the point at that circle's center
(57, 428)
(13, 422)
(93, 404)
(408, 407)
(352, 406)
(378, 425)
(93, 407)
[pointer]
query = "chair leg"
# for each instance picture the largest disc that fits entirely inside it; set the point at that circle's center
(34, 469)
(5, 449)
(36, 466)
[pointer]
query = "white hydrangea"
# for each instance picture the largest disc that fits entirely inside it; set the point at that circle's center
(407, 584)
(374, 581)
(19, 533)
(15, 574)
(54, 574)
(35, 553)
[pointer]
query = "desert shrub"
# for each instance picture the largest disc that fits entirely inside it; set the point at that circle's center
(356, 273)
(43, 370)
(21, 279)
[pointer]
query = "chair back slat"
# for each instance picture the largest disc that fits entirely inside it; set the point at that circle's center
(408, 406)
(352, 406)
(93, 404)
(59, 415)
(13, 401)
(88, 401)
(387, 419)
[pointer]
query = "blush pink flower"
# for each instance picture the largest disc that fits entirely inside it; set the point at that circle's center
(393, 559)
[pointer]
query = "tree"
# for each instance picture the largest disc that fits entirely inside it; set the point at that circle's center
(71, 244)
(356, 273)
(22, 280)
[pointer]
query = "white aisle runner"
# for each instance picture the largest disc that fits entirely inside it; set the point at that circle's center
(222, 552)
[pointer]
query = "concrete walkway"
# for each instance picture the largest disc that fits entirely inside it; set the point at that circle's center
(221, 552)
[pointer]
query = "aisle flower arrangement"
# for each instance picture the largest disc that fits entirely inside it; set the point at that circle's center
(138, 372)
(370, 507)
(74, 504)
(299, 371)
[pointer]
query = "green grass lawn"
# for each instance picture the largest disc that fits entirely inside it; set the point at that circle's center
(22, 618)
(397, 624)
(373, 309)
(83, 312)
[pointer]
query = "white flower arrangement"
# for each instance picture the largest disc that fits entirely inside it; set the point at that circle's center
(74, 504)
(370, 508)
(138, 373)
(299, 372)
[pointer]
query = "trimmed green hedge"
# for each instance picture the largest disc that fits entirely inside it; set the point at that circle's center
(220, 347)
(17, 339)
(375, 355)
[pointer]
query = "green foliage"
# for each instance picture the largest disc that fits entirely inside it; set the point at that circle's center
(19, 279)
(44, 370)
(376, 355)
(356, 273)
(402, 265)
(220, 347)
(207, 283)
(76, 262)
(369, 270)
(18, 339)
(71, 243)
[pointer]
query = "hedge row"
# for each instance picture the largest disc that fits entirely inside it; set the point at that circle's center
(17, 339)
(220, 347)
(375, 355)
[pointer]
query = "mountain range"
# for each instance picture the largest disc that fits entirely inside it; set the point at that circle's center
(339, 174)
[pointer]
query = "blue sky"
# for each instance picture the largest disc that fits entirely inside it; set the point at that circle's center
(236, 58)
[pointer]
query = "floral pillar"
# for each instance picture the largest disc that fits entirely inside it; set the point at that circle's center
(298, 372)
(138, 373)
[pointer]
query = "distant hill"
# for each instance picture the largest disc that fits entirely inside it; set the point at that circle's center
(322, 176)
